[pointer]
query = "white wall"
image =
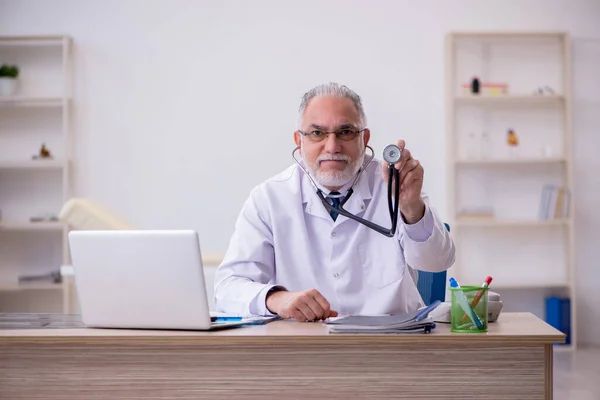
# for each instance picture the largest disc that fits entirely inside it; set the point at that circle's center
(194, 102)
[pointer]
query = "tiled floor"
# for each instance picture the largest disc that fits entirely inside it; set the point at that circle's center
(577, 374)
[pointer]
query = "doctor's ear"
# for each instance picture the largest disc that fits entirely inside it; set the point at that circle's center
(367, 136)
(297, 139)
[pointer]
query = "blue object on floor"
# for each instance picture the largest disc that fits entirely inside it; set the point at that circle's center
(553, 312)
(558, 315)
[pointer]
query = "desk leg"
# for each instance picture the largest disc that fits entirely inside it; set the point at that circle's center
(549, 371)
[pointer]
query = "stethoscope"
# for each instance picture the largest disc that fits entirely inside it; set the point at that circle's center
(391, 154)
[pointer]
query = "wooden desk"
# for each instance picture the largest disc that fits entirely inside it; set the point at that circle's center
(283, 359)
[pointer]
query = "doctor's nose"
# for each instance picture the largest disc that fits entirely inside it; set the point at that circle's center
(332, 143)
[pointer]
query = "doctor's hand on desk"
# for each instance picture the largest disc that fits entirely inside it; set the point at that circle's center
(308, 305)
(411, 203)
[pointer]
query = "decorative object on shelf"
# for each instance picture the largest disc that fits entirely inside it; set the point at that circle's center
(484, 88)
(485, 145)
(9, 75)
(475, 87)
(50, 277)
(554, 203)
(544, 90)
(44, 153)
(44, 218)
(512, 141)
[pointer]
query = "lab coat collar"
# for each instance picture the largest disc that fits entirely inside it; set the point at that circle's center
(355, 205)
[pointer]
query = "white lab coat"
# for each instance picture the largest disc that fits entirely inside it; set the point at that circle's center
(284, 236)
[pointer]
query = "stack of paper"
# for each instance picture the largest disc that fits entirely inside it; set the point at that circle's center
(414, 322)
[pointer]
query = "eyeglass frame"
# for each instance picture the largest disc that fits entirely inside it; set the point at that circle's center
(337, 134)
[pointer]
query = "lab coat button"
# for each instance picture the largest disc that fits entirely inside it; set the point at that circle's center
(336, 275)
(333, 234)
(362, 207)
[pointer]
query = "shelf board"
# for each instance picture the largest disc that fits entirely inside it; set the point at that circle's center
(517, 286)
(507, 35)
(33, 164)
(31, 101)
(15, 286)
(38, 40)
(499, 223)
(512, 161)
(502, 99)
(32, 226)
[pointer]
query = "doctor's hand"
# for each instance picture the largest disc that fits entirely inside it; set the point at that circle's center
(411, 204)
(308, 305)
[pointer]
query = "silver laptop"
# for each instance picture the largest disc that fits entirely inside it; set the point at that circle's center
(141, 279)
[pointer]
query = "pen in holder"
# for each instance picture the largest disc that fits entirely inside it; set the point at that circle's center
(462, 304)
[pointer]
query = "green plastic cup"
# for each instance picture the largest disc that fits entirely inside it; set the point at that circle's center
(473, 319)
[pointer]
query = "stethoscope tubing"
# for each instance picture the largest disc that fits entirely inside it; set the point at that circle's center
(393, 175)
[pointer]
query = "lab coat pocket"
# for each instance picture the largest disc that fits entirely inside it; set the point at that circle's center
(379, 268)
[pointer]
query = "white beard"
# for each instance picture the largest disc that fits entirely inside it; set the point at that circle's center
(335, 178)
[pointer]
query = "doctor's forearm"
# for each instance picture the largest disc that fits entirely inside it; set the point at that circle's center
(435, 255)
(414, 213)
(241, 296)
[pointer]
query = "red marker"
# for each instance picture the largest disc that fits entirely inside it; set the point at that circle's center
(479, 295)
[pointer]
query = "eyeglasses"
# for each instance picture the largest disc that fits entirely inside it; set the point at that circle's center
(345, 135)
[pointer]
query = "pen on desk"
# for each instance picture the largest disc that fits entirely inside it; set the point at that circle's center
(479, 295)
(229, 318)
(464, 304)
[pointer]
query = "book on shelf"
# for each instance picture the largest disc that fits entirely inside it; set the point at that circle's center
(476, 212)
(554, 202)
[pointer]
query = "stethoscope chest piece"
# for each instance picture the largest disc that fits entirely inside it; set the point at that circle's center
(392, 153)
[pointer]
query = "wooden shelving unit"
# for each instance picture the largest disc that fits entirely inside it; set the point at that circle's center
(39, 113)
(524, 252)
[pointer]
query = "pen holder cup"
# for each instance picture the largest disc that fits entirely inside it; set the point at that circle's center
(469, 309)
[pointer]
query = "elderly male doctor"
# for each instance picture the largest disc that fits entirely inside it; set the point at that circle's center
(290, 257)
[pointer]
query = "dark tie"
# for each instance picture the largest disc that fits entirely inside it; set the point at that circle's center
(335, 201)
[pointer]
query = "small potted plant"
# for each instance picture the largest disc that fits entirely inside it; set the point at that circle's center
(8, 79)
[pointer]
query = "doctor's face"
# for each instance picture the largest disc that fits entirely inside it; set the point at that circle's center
(332, 159)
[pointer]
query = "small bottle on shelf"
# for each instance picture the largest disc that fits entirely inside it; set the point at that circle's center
(475, 85)
(472, 146)
(485, 147)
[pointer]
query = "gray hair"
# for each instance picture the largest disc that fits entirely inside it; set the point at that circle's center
(333, 89)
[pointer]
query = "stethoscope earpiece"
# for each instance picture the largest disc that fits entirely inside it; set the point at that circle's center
(392, 153)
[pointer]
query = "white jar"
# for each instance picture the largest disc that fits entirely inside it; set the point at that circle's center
(8, 86)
